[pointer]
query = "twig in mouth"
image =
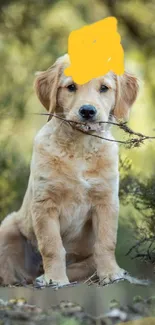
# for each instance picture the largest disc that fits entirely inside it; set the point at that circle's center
(134, 142)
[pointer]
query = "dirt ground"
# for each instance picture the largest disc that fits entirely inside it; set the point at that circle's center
(18, 312)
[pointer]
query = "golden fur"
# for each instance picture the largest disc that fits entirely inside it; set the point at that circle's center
(70, 210)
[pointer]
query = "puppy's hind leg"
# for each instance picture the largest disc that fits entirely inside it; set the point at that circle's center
(82, 270)
(18, 260)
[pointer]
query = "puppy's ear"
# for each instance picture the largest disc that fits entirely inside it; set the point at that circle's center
(127, 90)
(46, 85)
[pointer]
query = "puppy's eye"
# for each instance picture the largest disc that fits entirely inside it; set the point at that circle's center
(71, 87)
(103, 89)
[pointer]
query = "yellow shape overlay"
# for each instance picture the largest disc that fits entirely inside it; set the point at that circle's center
(94, 50)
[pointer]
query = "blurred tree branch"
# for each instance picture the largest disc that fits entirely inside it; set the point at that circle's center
(141, 33)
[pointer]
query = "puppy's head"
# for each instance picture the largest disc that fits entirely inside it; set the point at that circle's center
(92, 102)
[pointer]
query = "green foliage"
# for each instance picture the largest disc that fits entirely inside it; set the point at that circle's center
(141, 194)
(13, 179)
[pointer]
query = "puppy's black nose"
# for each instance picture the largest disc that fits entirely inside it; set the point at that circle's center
(87, 111)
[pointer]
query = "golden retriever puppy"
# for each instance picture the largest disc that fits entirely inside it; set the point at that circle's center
(69, 216)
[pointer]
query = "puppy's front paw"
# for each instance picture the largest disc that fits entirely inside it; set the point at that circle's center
(111, 276)
(45, 280)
